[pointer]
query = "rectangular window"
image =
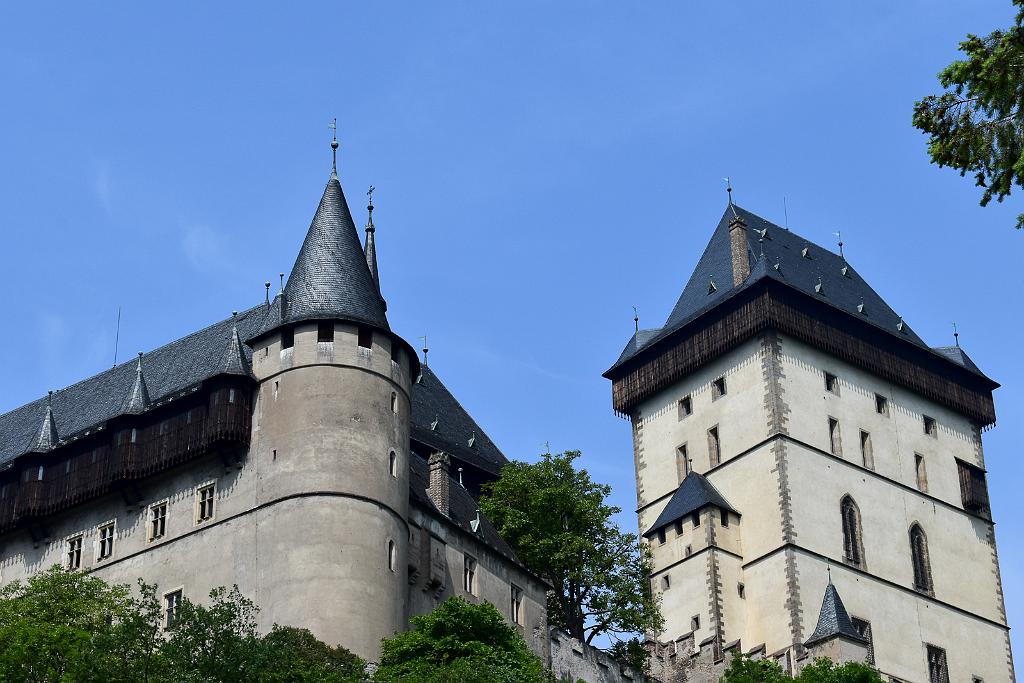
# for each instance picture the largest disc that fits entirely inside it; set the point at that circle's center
(685, 407)
(469, 575)
(695, 518)
(864, 629)
(231, 395)
(714, 447)
(679, 527)
(74, 553)
(718, 388)
(325, 332)
(866, 453)
(666, 582)
(831, 383)
(834, 441)
(157, 520)
(105, 546)
(930, 426)
(881, 404)
(937, 671)
(919, 470)
(973, 488)
(365, 337)
(682, 462)
(688, 550)
(725, 518)
(205, 501)
(695, 622)
(741, 591)
(516, 604)
(287, 338)
(172, 601)
(661, 536)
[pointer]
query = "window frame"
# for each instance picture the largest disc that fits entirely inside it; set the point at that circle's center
(170, 610)
(835, 437)
(882, 404)
(102, 540)
(469, 578)
(685, 407)
(719, 388)
(211, 486)
(714, 446)
(832, 383)
(852, 532)
(71, 550)
(920, 560)
(516, 604)
(151, 520)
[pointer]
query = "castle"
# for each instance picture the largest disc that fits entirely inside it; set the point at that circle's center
(794, 440)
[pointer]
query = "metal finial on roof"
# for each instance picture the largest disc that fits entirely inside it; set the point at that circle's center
(425, 350)
(900, 325)
(267, 294)
(785, 211)
(860, 306)
(281, 277)
(956, 336)
(460, 478)
(728, 189)
(760, 242)
(819, 287)
(828, 568)
(472, 440)
(370, 247)
(333, 125)
(839, 235)
(636, 320)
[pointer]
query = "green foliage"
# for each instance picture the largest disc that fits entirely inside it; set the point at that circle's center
(556, 519)
(631, 653)
(459, 642)
(73, 627)
(743, 669)
(975, 126)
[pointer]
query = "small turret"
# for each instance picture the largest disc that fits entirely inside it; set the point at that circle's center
(234, 362)
(47, 439)
(138, 398)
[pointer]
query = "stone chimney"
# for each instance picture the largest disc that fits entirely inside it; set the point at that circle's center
(738, 246)
(439, 464)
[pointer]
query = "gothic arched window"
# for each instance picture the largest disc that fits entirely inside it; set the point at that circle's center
(919, 557)
(853, 547)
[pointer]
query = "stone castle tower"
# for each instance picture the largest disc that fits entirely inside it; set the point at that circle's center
(795, 440)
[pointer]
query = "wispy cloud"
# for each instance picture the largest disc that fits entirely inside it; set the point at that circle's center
(205, 249)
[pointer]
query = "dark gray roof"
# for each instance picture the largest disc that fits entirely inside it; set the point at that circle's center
(168, 370)
(48, 438)
(833, 620)
(695, 493)
(639, 340)
(330, 278)
(782, 255)
(958, 356)
(439, 421)
(138, 399)
(462, 507)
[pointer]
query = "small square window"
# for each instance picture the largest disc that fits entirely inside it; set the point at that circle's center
(105, 545)
(688, 551)
(881, 404)
(831, 383)
(157, 520)
(685, 407)
(287, 338)
(365, 337)
(666, 582)
(325, 332)
(931, 428)
(695, 622)
(172, 602)
(516, 604)
(718, 388)
(205, 502)
(469, 575)
(74, 553)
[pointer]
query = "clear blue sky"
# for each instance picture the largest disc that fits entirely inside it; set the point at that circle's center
(541, 167)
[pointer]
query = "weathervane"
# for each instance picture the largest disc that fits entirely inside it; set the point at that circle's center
(839, 235)
(333, 125)
(636, 320)
(425, 349)
(956, 336)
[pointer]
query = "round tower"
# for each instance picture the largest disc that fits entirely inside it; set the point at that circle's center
(331, 444)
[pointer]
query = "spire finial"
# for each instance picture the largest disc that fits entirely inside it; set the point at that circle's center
(636, 320)
(956, 336)
(333, 125)
(266, 285)
(839, 236)
(828, 568)
(369, 209)
(425, 350)
(728, 188)
(281, 277)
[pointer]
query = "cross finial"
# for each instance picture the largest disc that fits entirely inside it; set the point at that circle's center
(839, 236)
(956, 336)
(333, 125)
(425, 349)
(636, 320)
(728, 188)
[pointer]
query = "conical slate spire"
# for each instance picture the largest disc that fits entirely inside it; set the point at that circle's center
(331, 278)
(234, 362)
(370, 248)
(138, 400)
(833, 620)
(47, 439)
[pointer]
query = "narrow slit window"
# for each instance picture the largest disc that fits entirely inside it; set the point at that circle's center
(919, 559)
(685, 407)
(920, 472)
(714, 446)
(469, 575)
(393, 464)
(688, 551)
(834, 440)
(682, 461)
(718, 388)
(866, 453)
(394, 402)
(679, 527)
(516, 604)
(365, 337)
(325, 332)
(392, 556)
(695, 622)
(831, 383)
(741, 591)
(853, 549)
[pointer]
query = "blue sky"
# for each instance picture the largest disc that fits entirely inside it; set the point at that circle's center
(541, 168)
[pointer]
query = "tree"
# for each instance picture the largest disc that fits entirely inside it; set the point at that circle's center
(460, 643)
(294, 655)
(631, 653)
(557, 521)
(975, 126)
(743, 669)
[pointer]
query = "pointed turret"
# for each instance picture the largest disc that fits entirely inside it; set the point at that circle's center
(833, 620)
(234, 362)
(138, 399)
(47, 439)
(370, 247)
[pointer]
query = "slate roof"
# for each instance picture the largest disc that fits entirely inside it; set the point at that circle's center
(695, 493)
(462, 508)
(958, 356)
(331, 278)
(431, 401)
(168, 371)
(833, 620)
(787, 258)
